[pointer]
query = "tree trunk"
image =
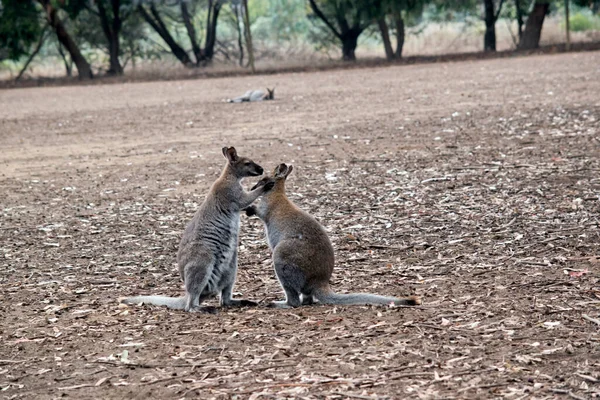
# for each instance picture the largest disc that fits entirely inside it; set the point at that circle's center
(115, 67)
(112, 32)
(533, 27)
(83, 67)
(68, 64)
(349, 42)
(385, 36)
(248, 36)
(117, 23)
(191, 31)
(211, 30)
(568, 25)
(156, 22)
(399, 22)
(519, 17)
(489, 39)
(238, 10)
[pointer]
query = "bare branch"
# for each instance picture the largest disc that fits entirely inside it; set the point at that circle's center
(320, 14)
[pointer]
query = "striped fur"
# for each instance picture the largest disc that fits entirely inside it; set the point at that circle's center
(207, 256)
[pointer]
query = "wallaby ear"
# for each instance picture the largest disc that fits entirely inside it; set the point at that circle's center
(289, 170)
(230, 153)
(271, 93)
(280, 171)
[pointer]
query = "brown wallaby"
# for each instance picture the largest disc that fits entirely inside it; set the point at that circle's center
(302, 253)
(254, 95)
(207, 254)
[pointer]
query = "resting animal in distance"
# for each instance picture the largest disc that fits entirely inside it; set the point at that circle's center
(207, 255)
(254, 95)
(302, 253)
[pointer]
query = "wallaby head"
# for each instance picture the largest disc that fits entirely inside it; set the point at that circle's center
(241, 166)
(271, 94)
(280, 174)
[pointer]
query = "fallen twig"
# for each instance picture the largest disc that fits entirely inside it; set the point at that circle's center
(594, 320)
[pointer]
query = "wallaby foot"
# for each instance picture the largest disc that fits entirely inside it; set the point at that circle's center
(307, 300)
(204, 310)
(240, 303)
(279, 304)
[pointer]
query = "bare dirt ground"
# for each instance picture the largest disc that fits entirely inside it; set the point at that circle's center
(474, 185)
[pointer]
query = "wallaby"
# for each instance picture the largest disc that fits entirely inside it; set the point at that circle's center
(302, 253)
(207, 255)
(254, 95)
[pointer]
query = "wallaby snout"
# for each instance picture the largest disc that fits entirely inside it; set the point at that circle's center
(258, 170)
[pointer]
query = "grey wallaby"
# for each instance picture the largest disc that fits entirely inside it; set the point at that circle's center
(254, 95)
(302, 253)
(207, 256)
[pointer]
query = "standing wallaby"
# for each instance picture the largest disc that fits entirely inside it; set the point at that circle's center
(254, 95)
(302, 253)
(207, 254)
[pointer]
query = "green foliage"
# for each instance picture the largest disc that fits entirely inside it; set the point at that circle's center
(584, 21)
(280, 20)
(19, 28)
(449, 10)
(593, 5)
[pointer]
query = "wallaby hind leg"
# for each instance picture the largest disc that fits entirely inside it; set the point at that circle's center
(292, 299)
(292, 280)
(227, 292)
(196, 275)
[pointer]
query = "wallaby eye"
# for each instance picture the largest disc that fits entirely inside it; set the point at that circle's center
(247, 163)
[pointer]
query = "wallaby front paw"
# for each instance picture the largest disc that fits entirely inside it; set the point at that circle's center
(248, 303)
(250, 211)
(268, 186)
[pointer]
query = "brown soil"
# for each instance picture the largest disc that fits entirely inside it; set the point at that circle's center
(474, 185)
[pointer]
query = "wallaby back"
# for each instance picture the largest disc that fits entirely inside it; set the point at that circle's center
(303, 256)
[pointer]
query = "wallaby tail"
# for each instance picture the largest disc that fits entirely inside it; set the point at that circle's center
(175, 303)
(329, 297)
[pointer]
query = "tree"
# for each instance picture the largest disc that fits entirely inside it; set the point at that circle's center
(530, 39)
(394, 10)
(350, 19)
(24, 22)
(155, 19)
(490, 18)
(51, 13)
(111, 26)
(112, 15)
(20, 28)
